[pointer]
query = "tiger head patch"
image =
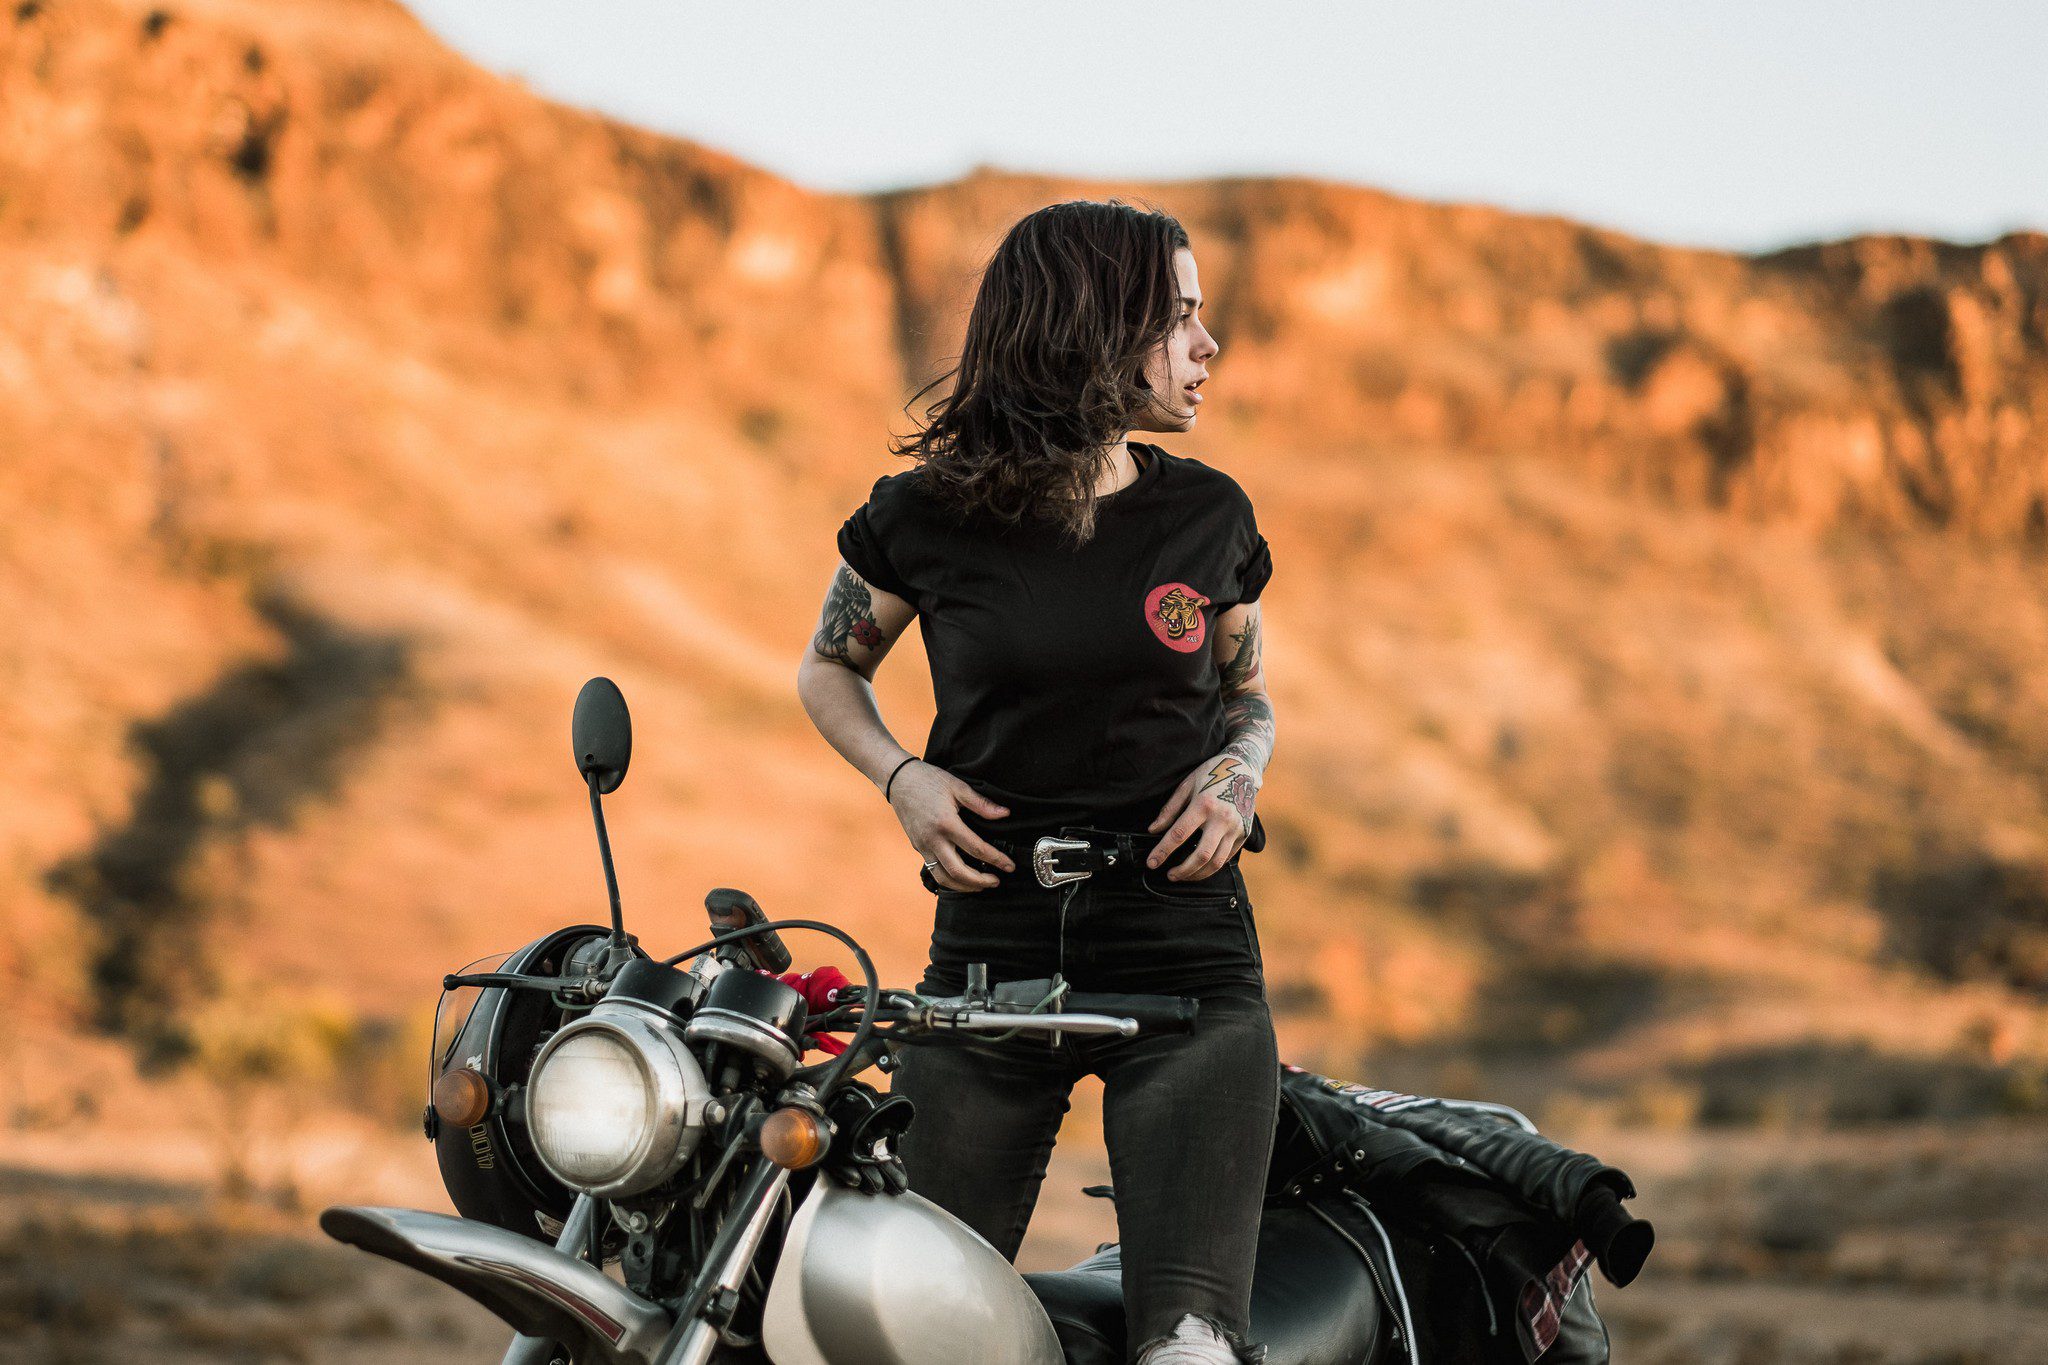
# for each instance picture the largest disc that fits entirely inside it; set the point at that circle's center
(1174, 611)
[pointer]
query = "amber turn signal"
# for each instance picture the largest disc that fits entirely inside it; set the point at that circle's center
(794, 1138)
(462, 1097)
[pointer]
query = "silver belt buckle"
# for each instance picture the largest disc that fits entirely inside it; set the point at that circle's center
(1042, 854)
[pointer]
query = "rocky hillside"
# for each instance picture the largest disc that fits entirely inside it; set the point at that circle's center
(1659, 636)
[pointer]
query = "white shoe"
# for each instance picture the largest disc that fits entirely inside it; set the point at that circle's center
(1194, 1342)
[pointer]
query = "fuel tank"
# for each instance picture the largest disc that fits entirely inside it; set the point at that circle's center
(895, 1280)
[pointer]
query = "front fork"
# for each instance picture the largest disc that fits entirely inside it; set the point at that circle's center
(715, 1292)
(708, 1305)
(526, 1350)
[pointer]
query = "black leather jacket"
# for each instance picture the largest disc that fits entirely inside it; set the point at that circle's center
(1479, 1231)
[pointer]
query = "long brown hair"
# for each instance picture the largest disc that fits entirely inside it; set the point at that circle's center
(1051, 371)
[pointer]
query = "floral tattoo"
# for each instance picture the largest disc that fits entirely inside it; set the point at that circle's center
(1248, 722)
(849, 615)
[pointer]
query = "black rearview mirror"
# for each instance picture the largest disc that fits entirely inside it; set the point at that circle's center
(602, 732)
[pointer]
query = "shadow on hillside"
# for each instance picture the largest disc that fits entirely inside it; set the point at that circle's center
(19, 1183)
(1545, 992)
(249, 752)
(1970, 917)
(1838, 1084)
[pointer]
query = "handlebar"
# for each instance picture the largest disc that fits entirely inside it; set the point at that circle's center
(1080, 1012)
(1151, 1013)
(1034, 1023)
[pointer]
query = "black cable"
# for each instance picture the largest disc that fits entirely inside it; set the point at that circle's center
(832, 1078)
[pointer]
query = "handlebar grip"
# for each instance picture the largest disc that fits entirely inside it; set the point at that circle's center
(1154, 1013)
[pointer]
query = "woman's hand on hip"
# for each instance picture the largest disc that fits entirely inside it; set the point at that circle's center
(1213, 807)
(927, 801)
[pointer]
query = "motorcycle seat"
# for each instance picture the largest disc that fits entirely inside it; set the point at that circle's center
(1313, 1300)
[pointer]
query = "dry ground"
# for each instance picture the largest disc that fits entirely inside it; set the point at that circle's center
(1907, 1245)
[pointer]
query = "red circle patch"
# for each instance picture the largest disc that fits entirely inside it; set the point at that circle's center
(1174, 611)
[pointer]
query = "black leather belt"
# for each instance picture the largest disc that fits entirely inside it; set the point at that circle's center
(1075, 853)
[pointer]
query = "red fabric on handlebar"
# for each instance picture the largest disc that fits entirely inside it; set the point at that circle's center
(820, 988)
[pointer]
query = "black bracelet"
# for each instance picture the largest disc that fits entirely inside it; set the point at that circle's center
(892, 775)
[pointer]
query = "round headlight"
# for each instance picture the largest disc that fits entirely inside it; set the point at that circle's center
(614, 1106)
(589, 1108)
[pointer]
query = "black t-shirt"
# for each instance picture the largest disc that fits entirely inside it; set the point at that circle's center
(1074, 686)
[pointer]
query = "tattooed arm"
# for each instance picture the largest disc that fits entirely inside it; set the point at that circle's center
(1215, 801)
(851, 627)
(857, 626)
(1247, 710)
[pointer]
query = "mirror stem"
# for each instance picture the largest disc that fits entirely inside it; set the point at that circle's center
(604, 851)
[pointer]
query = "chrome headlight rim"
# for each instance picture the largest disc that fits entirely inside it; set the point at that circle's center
(676, 1093)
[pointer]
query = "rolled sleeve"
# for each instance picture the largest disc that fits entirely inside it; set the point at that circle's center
(861, 546)
(1256, 570)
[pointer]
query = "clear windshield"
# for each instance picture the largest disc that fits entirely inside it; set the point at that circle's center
(451, 1013)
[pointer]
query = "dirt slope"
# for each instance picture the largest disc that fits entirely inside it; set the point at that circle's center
(1657, 638)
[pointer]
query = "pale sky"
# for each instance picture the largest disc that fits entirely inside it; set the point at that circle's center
(1740, 123)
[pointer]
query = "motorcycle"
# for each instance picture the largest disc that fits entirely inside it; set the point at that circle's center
(592, 1103)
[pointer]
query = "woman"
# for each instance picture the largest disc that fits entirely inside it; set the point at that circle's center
(1089, 609)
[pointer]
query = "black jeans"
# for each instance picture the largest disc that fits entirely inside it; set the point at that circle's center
(1188, 1119)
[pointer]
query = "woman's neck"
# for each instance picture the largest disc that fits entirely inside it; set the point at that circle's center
(1124, 468)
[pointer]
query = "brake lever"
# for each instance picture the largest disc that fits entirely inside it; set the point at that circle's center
(515, 981)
